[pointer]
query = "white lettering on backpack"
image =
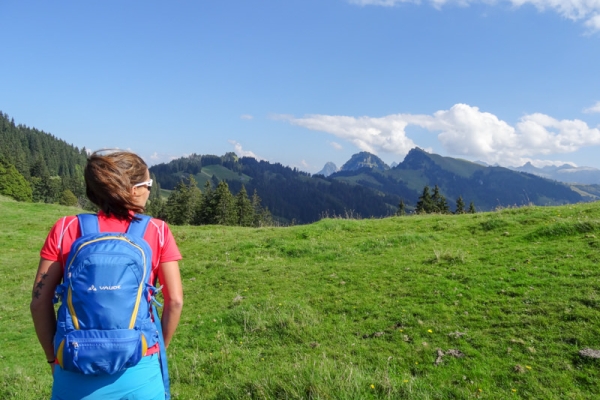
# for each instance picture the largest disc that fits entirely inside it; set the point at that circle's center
(110, 287)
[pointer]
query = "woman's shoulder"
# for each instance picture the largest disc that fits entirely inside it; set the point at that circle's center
(159, 229)
(65, 223)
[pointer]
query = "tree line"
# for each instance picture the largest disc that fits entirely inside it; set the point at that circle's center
(436, 203)
(188, 205)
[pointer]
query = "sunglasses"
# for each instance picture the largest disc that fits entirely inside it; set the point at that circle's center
(148, 184)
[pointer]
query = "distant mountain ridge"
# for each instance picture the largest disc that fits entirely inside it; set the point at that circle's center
(369, 187)
(563, 173)
(487, 186)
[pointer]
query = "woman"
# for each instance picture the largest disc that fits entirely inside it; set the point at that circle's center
(119, 184)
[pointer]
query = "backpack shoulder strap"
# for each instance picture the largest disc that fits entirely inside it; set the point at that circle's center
(138, 225)
(88, 224)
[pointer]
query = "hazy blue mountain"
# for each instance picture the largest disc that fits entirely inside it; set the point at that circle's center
(564, 173)
(328, 169)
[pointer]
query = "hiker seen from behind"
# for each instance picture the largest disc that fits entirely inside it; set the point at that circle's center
(107, 341)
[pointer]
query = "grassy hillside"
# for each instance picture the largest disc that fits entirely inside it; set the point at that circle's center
(355, 309)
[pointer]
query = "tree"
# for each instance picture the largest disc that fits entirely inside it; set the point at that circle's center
(401, 208)
(460, 206)
(472, 208)
(67, 198)
(243, 208)
(12, 183)
(439, 203)
(195, 199)
(425, 203)
(179, 206)
(157, 208)
(224, 211)
(257, 208)
(205, 211)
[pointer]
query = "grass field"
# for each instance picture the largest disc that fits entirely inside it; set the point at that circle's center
(357, 309)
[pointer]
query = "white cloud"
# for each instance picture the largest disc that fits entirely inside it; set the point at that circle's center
(241, 152)
(462, 130)
(246, 116)
(575, 10)
(368, 134)
(593, 109)
(335, 145)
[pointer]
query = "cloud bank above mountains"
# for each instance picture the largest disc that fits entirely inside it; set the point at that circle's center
(462, 130)
(587, 11)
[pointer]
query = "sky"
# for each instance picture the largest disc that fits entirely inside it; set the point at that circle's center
(305, 82)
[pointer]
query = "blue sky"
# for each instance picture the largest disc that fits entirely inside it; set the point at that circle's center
(304, 82)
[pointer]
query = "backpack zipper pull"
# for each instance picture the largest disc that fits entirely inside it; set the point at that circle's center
(76, 347)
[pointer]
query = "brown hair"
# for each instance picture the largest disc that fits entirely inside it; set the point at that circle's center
(109, 178)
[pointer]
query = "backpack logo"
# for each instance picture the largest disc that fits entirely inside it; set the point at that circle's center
(109, 287)
(92, 288)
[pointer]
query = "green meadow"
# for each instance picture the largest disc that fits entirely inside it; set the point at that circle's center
(492, 305)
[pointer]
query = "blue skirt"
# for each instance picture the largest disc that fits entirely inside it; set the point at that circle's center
(142, 382)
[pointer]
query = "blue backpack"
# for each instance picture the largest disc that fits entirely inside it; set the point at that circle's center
(103, 322)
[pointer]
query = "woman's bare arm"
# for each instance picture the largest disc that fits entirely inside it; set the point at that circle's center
(48, 276)
(169, 277)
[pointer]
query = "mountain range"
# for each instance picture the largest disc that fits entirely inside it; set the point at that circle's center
(563, 173)
(369, 187)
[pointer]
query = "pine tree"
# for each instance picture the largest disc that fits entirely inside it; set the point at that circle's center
(425, 203)
(244, 209)
(257, 208)
(157, 208)
(224, 210)
(195, 200)
(179, 208)
(442, 206)
(205, 212)
(439, 203)
(472, 208)
(401, 208)
(460, 206)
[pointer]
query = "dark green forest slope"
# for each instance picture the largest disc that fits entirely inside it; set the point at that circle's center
(52, 167)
